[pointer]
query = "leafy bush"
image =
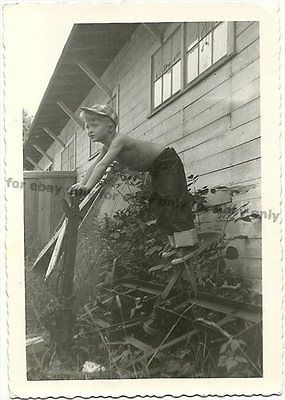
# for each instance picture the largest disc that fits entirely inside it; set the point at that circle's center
(129, 244)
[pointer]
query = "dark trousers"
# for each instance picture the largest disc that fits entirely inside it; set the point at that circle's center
(170, 200)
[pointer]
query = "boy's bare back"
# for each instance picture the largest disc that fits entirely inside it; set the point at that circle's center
(135, 154)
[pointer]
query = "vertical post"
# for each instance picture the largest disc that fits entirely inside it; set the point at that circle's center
(66, 317)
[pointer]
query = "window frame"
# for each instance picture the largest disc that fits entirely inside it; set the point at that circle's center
(67, 144)
(231, 51)
(169, 37)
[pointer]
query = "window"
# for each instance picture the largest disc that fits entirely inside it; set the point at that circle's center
(95, 147)
(179, 63)
(167, 69)
(206, 43)
(68, 157)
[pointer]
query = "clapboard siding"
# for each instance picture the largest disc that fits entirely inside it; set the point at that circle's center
(249, 268)
(217, 136)
(232, 175)
(242, 26)
(223, 159)
(214, 126)
(246, 113)
(248, 36)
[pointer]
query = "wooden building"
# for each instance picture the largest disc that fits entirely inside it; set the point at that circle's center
(192, 86)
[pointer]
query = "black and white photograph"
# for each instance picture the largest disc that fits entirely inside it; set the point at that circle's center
(142, 197)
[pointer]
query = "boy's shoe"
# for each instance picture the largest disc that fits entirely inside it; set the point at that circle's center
(184, 253)
(168, 251)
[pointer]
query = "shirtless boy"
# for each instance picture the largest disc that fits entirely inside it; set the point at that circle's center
(170, 200)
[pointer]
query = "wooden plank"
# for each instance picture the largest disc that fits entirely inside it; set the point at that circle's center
(66, 320)
(54, 136)
(249, 130)
(203, 135)
(35, 345)
(44, 212)
(146, 289)
(223, 142)
(42, 260)
(218, 94)
(246, 75)
(211, 114)
(241, 26)
(246, 94)
(233, 175)
(30, 211)
(103, 324)
(245, 113)
(245, 57)
(176, 274)
(248, 316)
(250, 230)
(222, 159)
(70, 114)
(165, 126)
(151, 28)
(45, 154)
(57, 250)
(84, 67)
(246, 267)
(242, 89)
(36, 165)
(171, 137)
(56, 201)
(146, 348)
(247, 37)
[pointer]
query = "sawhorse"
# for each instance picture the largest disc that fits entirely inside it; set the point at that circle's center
(206, 240)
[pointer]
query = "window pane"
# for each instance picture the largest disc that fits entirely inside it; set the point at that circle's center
(166, 56)
(157, 93)
(192, 64)
(205, 53)
(204, 28)
(157, 64)
(191, 34)
(176, 46)
(176, 77)
(166, 85)
(220, 40)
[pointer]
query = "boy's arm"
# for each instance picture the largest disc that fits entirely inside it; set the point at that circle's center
(80, 186)
(103, 164)
(89, 171)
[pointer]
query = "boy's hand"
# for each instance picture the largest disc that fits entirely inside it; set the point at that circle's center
(78, 188)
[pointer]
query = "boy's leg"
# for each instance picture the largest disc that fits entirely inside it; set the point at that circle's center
(172, 201)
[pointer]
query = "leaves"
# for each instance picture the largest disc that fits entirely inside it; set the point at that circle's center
(232, 253)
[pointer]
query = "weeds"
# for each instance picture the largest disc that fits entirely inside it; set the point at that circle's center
(129, 244)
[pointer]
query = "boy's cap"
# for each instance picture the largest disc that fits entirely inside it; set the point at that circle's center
(103, 109)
